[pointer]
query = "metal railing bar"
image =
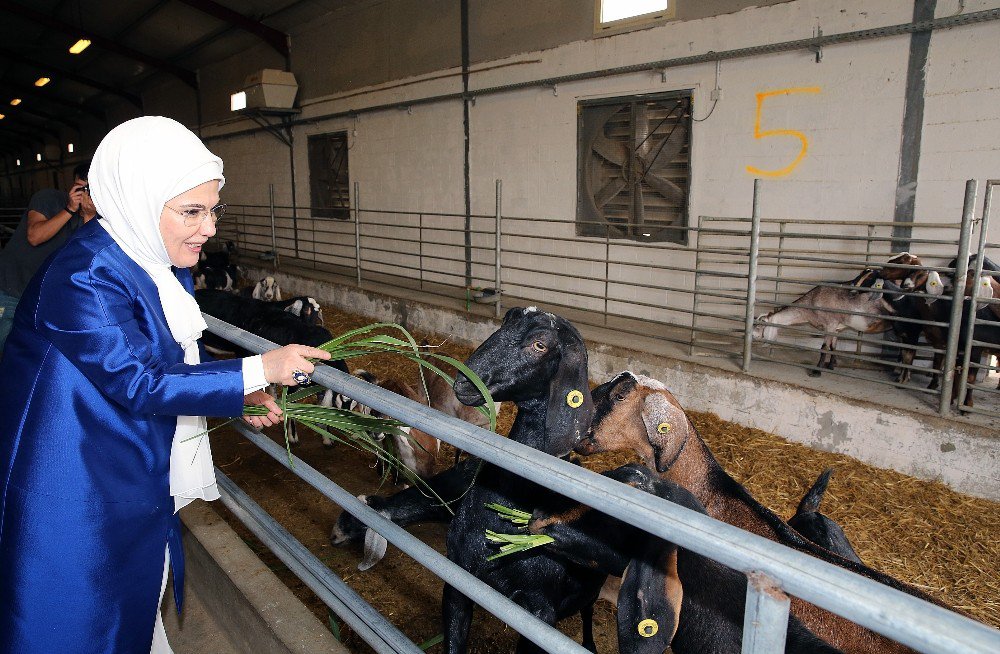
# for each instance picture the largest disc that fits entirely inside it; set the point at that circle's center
(371, 625)
(485, 596)
(923, 626)
(843, 373)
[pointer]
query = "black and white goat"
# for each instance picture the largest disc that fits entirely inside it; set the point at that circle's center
(215, 270)
(266, 289)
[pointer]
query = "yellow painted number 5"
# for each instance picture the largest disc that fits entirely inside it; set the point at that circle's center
(758, 134)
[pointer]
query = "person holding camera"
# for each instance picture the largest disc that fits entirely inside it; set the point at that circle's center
(52, 215)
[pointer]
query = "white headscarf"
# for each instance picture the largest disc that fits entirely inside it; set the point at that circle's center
(138, 167)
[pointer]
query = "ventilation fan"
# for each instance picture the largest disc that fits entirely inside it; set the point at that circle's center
(634, 169)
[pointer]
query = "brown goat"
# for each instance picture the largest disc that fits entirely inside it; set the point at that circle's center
(639, 414)
(418, 451)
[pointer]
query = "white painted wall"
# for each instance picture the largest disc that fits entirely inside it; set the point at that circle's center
(413, 161)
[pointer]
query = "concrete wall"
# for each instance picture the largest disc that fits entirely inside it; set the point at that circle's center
(849, 108)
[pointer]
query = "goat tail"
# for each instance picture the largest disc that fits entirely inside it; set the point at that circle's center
(811, 500)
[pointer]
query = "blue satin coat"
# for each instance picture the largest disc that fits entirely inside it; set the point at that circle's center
(90, 384)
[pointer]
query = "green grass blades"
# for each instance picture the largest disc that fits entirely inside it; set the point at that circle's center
(514, 543)
(361, 342)
(513, 515)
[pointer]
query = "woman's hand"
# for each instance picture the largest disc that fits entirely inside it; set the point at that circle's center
(281, 363)
(264, 399)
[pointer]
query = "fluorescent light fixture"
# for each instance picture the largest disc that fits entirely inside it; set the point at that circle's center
(69, 148)
(38, 156)
(18, 162)
(612, 10)
(238, 101)
(15, 102)
(646, 234)
(79, 46)
(42, 81)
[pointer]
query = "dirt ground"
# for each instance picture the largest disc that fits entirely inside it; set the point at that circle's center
(903, 526)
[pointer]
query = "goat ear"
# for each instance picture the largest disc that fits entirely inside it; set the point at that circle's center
(649, 601)
(667, 429)
(570, 407)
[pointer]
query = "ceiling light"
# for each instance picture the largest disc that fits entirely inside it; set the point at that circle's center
(79, 46)
(69, 148)
(42, 81)
(2, 116)
(18, 162)
(238, 101)
(38, 156)
(15, 102)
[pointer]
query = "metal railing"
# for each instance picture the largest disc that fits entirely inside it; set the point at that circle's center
(774, 571)
(701, 299)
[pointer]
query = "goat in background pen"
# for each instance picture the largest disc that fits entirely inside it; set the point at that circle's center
(858, 304)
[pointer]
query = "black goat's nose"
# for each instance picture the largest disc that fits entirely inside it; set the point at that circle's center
(466, 391)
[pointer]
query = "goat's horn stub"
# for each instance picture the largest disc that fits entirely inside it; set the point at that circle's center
(574, 399)
(648, 628)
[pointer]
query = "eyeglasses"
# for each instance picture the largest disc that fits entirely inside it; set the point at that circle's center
(194, 216)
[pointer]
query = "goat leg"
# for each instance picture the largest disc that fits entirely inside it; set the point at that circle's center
(821, 363)
(831, 359)
(457, 617)
(587, 619)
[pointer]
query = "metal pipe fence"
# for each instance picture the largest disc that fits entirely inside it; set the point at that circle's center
(702, 300)
(774, 571)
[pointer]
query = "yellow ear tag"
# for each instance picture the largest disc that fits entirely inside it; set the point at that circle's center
(648, 628)
(574, 399)
(663, 427)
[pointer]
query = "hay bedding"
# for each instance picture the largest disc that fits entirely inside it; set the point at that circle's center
(921, 532)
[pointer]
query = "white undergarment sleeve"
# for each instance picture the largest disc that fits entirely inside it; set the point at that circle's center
(253, 374)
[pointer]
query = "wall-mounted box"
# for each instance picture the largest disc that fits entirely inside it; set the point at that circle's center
(270, 88)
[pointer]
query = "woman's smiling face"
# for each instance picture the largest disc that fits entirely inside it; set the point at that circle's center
(184, 243)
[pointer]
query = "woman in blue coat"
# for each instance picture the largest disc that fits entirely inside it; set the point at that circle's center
(102, 398)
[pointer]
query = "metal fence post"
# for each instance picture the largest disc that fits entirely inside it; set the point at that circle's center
(496, 284)
(420, 247)
(752, 276)
(765, 620)
(274, 240)
(357, 232)
(966, 367)
(961, 275)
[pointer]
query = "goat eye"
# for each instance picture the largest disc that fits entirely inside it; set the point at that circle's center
(539, 346)
(619, 397)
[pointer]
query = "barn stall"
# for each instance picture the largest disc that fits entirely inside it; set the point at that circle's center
(663, 181)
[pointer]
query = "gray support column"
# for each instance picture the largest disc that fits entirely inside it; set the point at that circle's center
(913, 125)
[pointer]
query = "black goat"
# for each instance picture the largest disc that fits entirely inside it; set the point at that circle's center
(669, 596)
(818, 528)
(538, 361)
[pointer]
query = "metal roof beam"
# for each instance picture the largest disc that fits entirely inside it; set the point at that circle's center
(185, 75)
(21, 120)
(44, 115)
(274, 38)
(70, 75)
